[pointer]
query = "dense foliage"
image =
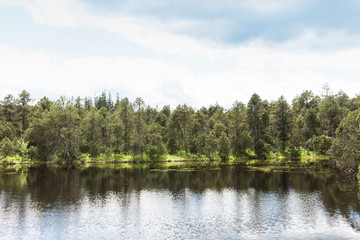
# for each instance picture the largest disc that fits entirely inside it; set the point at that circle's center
(64, 129)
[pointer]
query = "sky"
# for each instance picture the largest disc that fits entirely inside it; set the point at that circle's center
(197, 52)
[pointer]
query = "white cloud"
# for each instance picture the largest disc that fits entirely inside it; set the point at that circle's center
(324, 40)
(272, 7)
(57, 13)
(271, 71)
(257, 6)
(160, 82)
(83, 76)
(146, 32)
(155, 34)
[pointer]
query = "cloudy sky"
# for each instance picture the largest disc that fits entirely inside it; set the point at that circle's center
(197, 52)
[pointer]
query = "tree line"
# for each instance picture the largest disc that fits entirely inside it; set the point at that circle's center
(66, 128)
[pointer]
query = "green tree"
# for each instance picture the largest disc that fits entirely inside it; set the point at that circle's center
(62, 129)
(329, 115)
(254, 109)
(282, 120)
(320, 144)
(126, 115)
(117, 128)
(346, 145)
(79, 106)
(224, 147)
(7, 148)
(104, 128)
(179, 125)
(91, 132)
(55, 133)
(155, 147)
(24, 108)
(238, 130)
(199, 129)
(305, 123)
(219, 128)
(87, 103)
(138, 141)
(101, 101)
(210, 144)
(7, 129)
(257, 119)
(9, 108)
(44, 104)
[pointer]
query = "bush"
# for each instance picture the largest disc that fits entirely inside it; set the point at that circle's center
(155, 151)
(294, 152)
(320, 144)
(7, 147)
(224, 147)
(346, 145)
(33, 152)
(260, 149)
(84, 156)
(250, 154)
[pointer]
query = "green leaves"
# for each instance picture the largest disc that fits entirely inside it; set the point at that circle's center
(56, 132)
(7, 148)
(155, 147)
(64, 129)
(224, 147)
(346, 145)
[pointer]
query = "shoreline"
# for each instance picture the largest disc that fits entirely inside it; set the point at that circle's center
(265, 165)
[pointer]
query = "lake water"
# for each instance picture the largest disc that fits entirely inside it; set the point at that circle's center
(229, 202)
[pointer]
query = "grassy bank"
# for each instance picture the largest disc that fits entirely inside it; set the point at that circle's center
(178, 162)
(176, 158)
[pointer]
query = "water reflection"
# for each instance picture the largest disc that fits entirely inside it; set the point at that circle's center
(225, 203)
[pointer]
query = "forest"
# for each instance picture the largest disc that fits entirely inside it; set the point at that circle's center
(69, 128)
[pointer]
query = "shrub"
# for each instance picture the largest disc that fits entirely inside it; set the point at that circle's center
(320, 144)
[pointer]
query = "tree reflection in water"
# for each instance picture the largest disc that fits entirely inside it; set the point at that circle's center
(243, 198)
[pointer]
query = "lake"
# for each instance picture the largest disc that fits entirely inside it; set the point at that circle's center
(226, 202)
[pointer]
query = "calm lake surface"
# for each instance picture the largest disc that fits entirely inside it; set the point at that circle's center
(228, 202)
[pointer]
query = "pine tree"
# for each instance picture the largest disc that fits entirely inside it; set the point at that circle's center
(224, 147)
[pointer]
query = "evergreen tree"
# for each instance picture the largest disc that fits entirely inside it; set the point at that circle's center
(210, 144)
(305, 124)
(9, 108)
(329, 115)
(62, 129)
(224, 147)
(198, 133)
(91, 132)
(179, 125)
(24, 108)
(346, 145)
(257, 118)
(7, 148)
(155, 147)
(239, 135)
(126, 115)
(282, 118)
(117, 128)
(44, 104)
(55, 133)
(138, 141)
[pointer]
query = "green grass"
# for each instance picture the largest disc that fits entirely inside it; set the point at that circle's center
(181, 160)
(85, 157)
(16, 159)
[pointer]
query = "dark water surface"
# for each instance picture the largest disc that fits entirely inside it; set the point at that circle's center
(230, 202)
